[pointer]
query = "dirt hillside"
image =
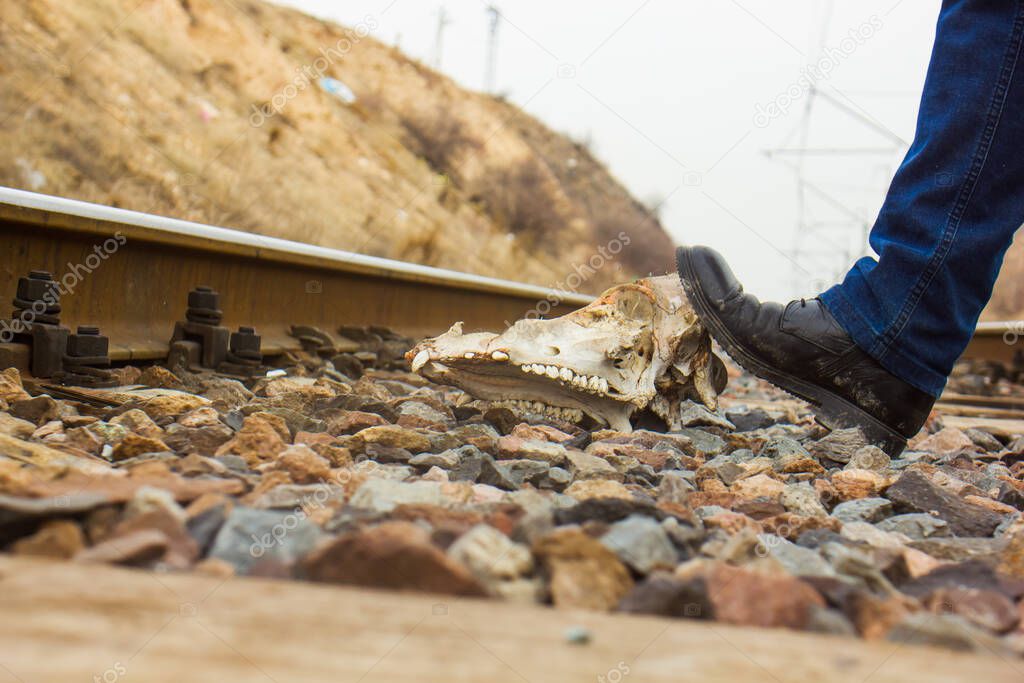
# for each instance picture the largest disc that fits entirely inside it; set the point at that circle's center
(237, 114)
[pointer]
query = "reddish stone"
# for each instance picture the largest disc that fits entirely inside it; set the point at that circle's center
(584, 573)
(133, 445)
(352, 421)
(60, 539)
(873, 616)
(139, 547)
(748, 598)
(790, 525)
(988, 609)
(181, 549)
(303, 465)
(257, 442)
(394, 555)
(540, 433)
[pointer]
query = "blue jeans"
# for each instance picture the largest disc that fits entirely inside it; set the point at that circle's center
(953, 206)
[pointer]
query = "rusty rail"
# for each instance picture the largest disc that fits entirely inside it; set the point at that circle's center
(132, 273)
(997, 341)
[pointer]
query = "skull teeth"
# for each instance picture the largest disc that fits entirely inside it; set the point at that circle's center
(420, 360)
(557, 412)
(590, 384)
(587, 383)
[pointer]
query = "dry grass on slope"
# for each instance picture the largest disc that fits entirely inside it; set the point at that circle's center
(205, 110)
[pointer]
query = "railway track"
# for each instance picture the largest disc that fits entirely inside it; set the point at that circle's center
(131, 276)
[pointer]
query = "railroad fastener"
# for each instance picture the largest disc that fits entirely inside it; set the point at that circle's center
(37, 298)
(204, 306)
(199, 341)
(87, 347)
(35, 323)
(244, 347)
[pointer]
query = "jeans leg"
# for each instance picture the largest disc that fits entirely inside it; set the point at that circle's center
(953, 206)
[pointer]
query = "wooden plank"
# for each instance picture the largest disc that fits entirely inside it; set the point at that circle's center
(1007, 428)
(1007, 402)
(65, 622)
(978, 411)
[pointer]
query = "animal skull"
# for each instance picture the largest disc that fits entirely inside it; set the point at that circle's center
(637, 346)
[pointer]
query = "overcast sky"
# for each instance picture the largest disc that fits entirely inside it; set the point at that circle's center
(677, 98)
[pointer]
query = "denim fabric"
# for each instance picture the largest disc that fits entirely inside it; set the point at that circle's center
(953, 206)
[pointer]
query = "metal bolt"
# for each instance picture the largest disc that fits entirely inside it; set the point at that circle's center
(245, 344)
(87, 342)
(204, 306)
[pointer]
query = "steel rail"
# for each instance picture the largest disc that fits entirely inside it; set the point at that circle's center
(138, 289)
(997, 341)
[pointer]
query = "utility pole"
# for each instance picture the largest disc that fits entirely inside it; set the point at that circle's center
(443, 21)
(829, 234)
(491, 73)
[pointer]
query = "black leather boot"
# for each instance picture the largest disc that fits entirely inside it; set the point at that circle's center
(801, 348)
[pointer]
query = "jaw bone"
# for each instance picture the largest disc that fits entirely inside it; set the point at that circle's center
(637, 346)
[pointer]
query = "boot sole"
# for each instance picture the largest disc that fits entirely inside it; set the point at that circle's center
(832, 410)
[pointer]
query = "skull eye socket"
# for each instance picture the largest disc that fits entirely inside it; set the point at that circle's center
(634, 305)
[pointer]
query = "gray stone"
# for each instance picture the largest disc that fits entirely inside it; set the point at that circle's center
(663, 595)
(384, 495)
(423, 412)
(520, 471)
(802, 499)
(917, 525)
(749, 420)
(779, 446)
(674, 488)
(984, 440)
(693, 441)
(869, 458)
(494, 474)
(830, 622)
(250, 536)
(555, 479)
(948, 631)
(840, 445)
(797, 560)
(695, 415)
(446, 460)
(235, 463)
(471, 461)
(863, 510)
(641, 543)
(960, 549)
(705, 511)
(725, 468)
(585, 466)
(683, 535)
(914, 492)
